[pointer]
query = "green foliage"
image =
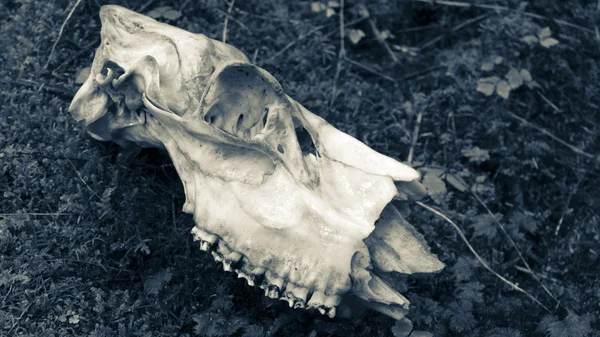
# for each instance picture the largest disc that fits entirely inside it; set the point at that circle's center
(88, 248)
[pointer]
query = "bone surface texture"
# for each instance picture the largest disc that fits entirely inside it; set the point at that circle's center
(309, 223)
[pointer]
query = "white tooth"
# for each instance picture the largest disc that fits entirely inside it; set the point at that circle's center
(232, 259)
(331, 313)
(295, 296)
(316, 301)
(332, 301)
(248, 278)
(218, 257)
(273, 284)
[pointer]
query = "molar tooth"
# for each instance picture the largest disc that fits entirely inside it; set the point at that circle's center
(207, 240)
(272, 284)
(332, 301)
(316, 300)
(231, 261)
(295, 296)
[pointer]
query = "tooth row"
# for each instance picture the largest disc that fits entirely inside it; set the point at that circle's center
(275, 286)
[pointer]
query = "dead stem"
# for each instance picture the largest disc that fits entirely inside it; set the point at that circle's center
(364, 12)
(369, 69)
(516, 248)
(503, 9)
(62, 28)
(479, 258)
(341, 56)
(224, 38)
(415, 136)
(549, 134)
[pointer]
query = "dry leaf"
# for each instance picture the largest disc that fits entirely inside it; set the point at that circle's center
(487, 66)
(355, 35)
(531, 39)
(514, 78)
(487, 85)
(545, 33)
(317, 7)
(503, 89)
(549, 42)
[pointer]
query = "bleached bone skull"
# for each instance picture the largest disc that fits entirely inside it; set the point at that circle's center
(309, 224)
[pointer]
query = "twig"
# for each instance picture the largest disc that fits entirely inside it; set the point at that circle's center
(364, 12)
(40, 86)
(549, 134)
(62, 28)
(552, 105)
(224, 39)
(291, 44)
(341, 56)
(369, 69)
(512, 242)
(415, 136)
(454, 30)
(230, 16)
(33, 214)
(503, 9)
(572, 192)
(83, 181)
(479, 258)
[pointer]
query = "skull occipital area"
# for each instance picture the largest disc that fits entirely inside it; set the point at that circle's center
(278, 195)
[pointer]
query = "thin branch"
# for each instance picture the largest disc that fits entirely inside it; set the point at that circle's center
(479, 258)
(552, 105)
(341, 56)
(224, 39)
(378, 36)
(369, 69)
(230, 16)
(503, 9)
(454, 30)
(516, 248)
(62, 29)
(549, 134)
(415, 136)
(572, 192)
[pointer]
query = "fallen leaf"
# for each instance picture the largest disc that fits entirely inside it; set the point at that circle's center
(503, 89)
(329, 12)
(476, 154)
(402, 328)
(498, 59)
(487, 85)
(526, 75)
(355, 35)
(545, 33)
(456, 182)
(549, 42)
(531, 39)
(514, 78)
(421, 333)
(317, 7)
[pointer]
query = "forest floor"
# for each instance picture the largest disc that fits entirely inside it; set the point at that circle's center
(497, 105)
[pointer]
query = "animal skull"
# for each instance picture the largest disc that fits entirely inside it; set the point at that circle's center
(308, 225)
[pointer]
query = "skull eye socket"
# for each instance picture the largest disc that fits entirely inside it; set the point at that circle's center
(280, 149)
(117, 69)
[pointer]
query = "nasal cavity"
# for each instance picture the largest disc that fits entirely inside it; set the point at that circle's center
(307, 145)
